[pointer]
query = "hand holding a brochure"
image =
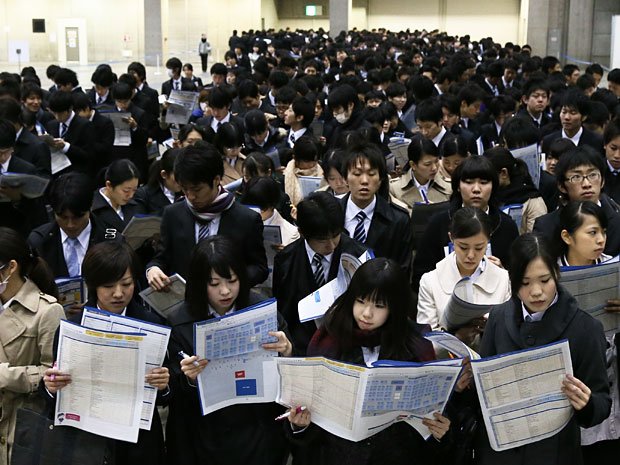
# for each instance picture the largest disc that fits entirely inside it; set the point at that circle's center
(577, 392)
(55, 380)
(157, 279)
(193, 366)
(468, 333)
(158, 378)
(283, 346)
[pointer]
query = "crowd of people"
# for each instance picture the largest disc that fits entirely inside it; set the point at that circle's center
(285, 106)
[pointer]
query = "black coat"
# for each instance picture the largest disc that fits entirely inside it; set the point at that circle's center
(206, 121)
(46, 240)
(431, 248)
(588, 137)
(507, 332)
(80, 135)
(523, 113)
(186, 84)
(239, 434)
(150, 200)
(548, 225)
(243, 226)
(107, 217)
(390, 234)
(612, 184)
(293, 280)
(148, 100)
(103, 141)
(548, 188)
(355, 122)
(30, 148)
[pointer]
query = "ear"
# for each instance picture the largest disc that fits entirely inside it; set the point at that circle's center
(108, 185)
(566, 237)
(561, 187)
(163, 174)
(412, 165)
(504, 173)
(450, 237)
(217, 181)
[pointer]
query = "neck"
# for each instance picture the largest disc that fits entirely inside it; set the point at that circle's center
(12, 287)
(575, 259)
(462, 271)
(296, 127)
(362, 203)
(535, 114)
(572, 132)
(115, 205)
(421, 181)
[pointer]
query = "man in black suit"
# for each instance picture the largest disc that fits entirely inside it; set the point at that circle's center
(208, 210)
(311, 261)
(534, 102)
(611, 138)
(220, 100)
(579, 175)
(70, 198)
(501, 108)
(102, 80)
(16, 211)
(66, 80)
(71, 134)
(103, 130)
(176, 82)
(470, 98)
(370, 218)
(146, 97)
(27, 146)
(575, 107)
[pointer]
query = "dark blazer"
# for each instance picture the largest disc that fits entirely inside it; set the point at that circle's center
(390, 233)
(239, 434)
(431, 248)
(30, 148)
(92, 95)
(80, 135)
(46, 240)
(107, 217)
(178, 238)
(150, 200)
(612, 184)
(489, 135)
(186, 84)
(548, 225)
(549, 190)
(27, 214)
(206, 121)
(103, 141)
(293, 280)
(148, 100)
(507, 332)
(523, 113)
(355, 122)
(588, 137)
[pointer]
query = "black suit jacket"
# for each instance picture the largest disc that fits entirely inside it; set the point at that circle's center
(489, 136)
(390, 232)
(588, 137)
(206, 121)
(612, 184)
(186, 84)
(27, 214)
(92, 95)
(178, 237)
(150, 200)
(103, 142)
(80, 135)
(523, 113)
(148, 100)
(30, 148)
(46, 240)
(107, 217)
(548, 225)
(293, 280)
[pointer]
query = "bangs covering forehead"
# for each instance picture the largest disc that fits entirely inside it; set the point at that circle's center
(220, 264)
(472, 170)
(378, 283)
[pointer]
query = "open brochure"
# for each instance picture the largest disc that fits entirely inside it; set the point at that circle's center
(122, 130)
(399, 146)
(164, 303)
(28, 185)
(71, 291)
(316, 304)
(460, 310)
(140, 228)
(452, 344)
(309, 184)
(181, 103)
(530, 155)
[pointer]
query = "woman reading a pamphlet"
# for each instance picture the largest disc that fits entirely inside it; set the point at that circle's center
(542, 312)
(217, 285)
(110, 271)
(29, 318)
(582, 238)
(470, 232)
(368, 323)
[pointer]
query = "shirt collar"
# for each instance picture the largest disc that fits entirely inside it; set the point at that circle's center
(214, 314)
(68, 122)
(83, 238)
(611, 168)
(123, 313)
(310, 252)
(5, 165)
(537, 316)
(418, 185)
(102, 192)
(19, 133)
(353, 210)
(575, 138)
(438, 137)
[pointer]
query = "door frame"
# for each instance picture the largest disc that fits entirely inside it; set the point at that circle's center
(80, 24)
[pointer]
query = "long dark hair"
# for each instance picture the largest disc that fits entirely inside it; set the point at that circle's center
(14, 247)
(219, 254)
(381, 280)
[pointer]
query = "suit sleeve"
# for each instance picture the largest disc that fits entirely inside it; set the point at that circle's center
(429, 252)
(43, 161)
(255, 252)
(80, 150)
(404, 240)
(162, 257)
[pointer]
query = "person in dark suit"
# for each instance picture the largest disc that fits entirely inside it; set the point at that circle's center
(66, 80)
(176, 82)
(346, 109)
(219, 103)
(27, 146)
(534, 102)
(217, 285)
(32, 99)
(260, 137)
(470, 98)
(113, 204)
(451, 118)
(72, 134)
(501, 109)
(575, 107)
(162, 189)
(16, 211)
(111, 273)
(208, 210)
(70, 198)
(579, 175)
(370, 218)
(103, 130)
(188, 70)
(305, 265)
(146, 97)
(102, 79)
(611, 138)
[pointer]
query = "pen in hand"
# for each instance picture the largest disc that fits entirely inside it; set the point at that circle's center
(52, 376)
(288, 414)
(183, 355)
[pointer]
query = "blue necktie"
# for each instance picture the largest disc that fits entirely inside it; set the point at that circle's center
(319, 272)
(63, 130)
(203, 230)
(360, 233)
(73, 263)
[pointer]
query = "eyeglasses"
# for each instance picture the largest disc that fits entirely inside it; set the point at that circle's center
(579, 178)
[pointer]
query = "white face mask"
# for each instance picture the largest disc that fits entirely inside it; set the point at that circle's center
(4, 283)
(170, 73)
(342, 117)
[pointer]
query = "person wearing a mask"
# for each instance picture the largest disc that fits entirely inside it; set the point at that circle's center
(347, 111)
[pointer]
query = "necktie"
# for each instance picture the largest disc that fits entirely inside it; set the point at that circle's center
(63, 129)
(360, 232)
(319, 272)
(528, 319)
(292, 139)
(203, 230)
(218, 126)
(73, 263)
(424, 196)
(176, 85)
(99, 99)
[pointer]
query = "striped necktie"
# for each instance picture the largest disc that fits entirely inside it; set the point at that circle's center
(319, 272)
(73, 263)
(203, 230)
(63, 130)
(360, 232)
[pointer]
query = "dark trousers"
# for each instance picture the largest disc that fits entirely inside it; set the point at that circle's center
(601, 452)
(203, 58)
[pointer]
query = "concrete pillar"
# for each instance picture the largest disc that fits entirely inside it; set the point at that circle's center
(579, 26)
(339, 16)
(153, 43)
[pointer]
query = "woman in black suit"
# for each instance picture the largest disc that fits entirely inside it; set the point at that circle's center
(161, 189)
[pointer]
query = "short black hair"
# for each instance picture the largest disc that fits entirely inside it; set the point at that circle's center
(174, 63)
(71, 192)
(277, 79)
(66, 76)
(595, 68)
(122, 91)
(220, 98)
(229, 135)
(102, 77)
(304, 107)
(471, 93)
(81, 101)
(247, 88)
(502, 104)
(262, 191)
(137, 68)
(519, 132)
(342, 96)
(219, 69)
(579, 156)
(395, 89)
(472, 168)
(10, 109)
(451, 103)
(614, 76)
(255, 122)
(285, 95)
(419, 147)
(429, 110)
(187, 128)
(363, 151)
(30, 88)
(306, 149)
(576, 99)
(107, 262)
(7, 134)
(198, 164)
(320, 216)
(60, 101)
(534, 84)
(611, 131)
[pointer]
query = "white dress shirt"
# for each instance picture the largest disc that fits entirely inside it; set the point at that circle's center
(83, 238)
(350, 222)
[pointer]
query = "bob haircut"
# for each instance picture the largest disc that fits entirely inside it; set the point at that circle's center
(107, 262)
(264, 192)
(572, 216)
(214, 254)
(469, 221)
(381, 280)
(121, 171)
(523, 251)
(472, 168)
(420, 147)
